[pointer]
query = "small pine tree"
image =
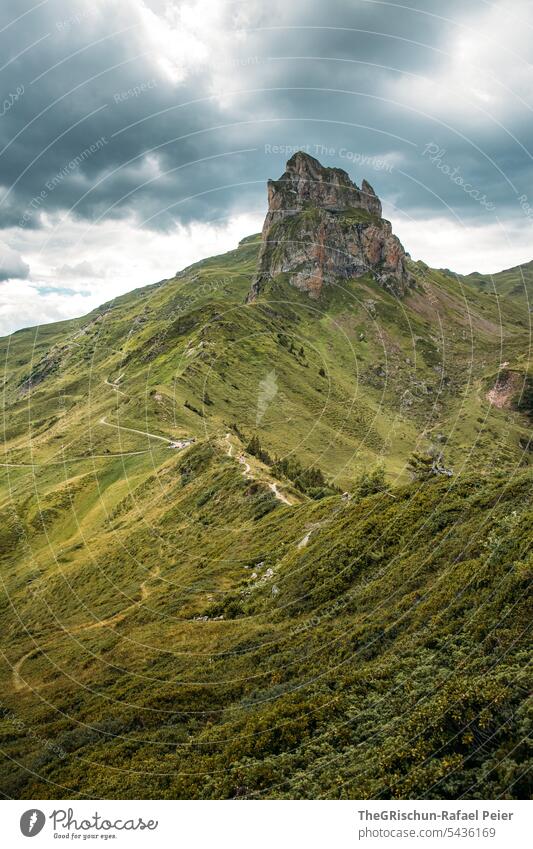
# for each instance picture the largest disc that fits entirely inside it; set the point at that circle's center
(254, 446)
(369, 483)
(420, 466)
(525, 402)
(425, 466)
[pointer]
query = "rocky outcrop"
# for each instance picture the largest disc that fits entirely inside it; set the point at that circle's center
(320, 227)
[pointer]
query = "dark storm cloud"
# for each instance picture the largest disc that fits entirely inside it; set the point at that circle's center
(92, 122)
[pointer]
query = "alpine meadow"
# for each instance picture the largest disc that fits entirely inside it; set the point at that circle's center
(265, 525)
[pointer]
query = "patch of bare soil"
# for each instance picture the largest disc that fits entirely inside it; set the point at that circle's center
(506, 386)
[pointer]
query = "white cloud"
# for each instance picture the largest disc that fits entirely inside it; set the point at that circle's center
(117, 257)
(81, 269)
(197, 48)
(178, 34)
(443, 243)
(12, 264)
(65, 286)
(23, 304)
(485, 72)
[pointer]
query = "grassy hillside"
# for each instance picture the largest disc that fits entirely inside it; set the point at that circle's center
(183, 617)
(512, 284)
(358, 376)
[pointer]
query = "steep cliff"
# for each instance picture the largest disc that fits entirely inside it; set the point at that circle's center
(320, 227)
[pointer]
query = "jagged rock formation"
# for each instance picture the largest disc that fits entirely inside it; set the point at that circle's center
(321, 227)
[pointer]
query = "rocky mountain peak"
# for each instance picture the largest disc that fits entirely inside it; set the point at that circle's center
(306, 181)
(320, 226)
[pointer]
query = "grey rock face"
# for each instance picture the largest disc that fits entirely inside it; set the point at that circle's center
(320, 227)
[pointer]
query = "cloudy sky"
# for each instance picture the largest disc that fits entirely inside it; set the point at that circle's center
(136, 137)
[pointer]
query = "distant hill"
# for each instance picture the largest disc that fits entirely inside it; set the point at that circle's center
(513, 283)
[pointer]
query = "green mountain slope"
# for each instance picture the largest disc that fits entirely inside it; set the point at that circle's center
(211, 641)
(420, 366)
(512, 284)
(183, 616)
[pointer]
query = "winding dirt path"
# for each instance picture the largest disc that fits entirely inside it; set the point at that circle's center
(247, 468)
(279, 495)
(115, 385)
(18, 681)
(248, 474)
(102, 421)
(73, 460)
(312, 529)
(303, 542)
